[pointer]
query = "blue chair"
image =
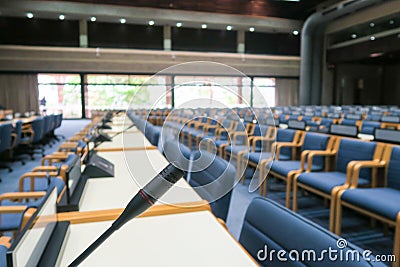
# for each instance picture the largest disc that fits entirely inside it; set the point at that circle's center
(269, 226)
(368, 127)
(286, 169)
(260, 160)
(37, 181)
(5, 143)
(213, 179)
(337, 176)
(379, 202)
(32, 138)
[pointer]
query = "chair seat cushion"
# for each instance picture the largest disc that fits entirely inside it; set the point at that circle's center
(326, 181)
(382, 201)
(259, 156)
(284, 167)
(218, 143)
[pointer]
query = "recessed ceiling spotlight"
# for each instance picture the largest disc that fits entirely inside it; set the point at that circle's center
(354, 36)
(151, 22)
(29, 15)
(93, 19)
(372, 24)
(372, 38)
(251, 29)
(123, 21)
(391, 22)
(61, 17)
(179, 24)
(377, 54)
(295, 32)
(204, 26)
(229, 27)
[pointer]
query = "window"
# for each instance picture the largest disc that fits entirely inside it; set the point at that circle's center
(119, 91)
(62, 93)
(201, 91)
(264, 92)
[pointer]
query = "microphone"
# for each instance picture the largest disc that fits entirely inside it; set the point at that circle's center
(143, 200)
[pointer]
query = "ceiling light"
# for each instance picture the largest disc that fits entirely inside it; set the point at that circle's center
(228, 28)
(354, 36)
(93, 19)
(377, 54)
(61, 17)
(295, 32)
(204, 26)
(122, 20)
(29, 15)
(391, 22)
(372, 38)
(151, 22)
(179, 24)
(251, 29)
(372, 24)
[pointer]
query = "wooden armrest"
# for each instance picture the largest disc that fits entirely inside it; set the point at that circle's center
(236, 134)
(277, 146)
(303, 158)
(256, 139)
(31, 175)
(358, 165)
(21, 195)
(5, 241)
(45, 169)
(54, 156)
(312, 154)
(67, 145)
(12, 209)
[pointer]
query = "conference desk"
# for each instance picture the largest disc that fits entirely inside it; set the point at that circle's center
(115, 192)
(126, 141)
(185, 239)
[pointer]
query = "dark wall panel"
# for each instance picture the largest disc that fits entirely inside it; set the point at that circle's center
(24, 31)
(203, 40)
(272, 43)
(125, 36)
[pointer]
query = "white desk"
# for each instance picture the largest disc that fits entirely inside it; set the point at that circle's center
(186, 239)
(116, 192)
(126, 141)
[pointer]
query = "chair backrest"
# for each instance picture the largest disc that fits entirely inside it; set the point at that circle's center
(348, 122)
(285, 135)
(38, 129)
(269, 226)
(368, 127)
(393, 174)
(352, 149)
(213, 178)
(18, 132)
(5, 136)
(315, 141)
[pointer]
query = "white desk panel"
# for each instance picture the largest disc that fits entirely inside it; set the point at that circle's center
(111, 193)
(186, 239)
(127, 140)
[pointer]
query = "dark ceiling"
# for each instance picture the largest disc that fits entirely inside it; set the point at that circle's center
(270, 8)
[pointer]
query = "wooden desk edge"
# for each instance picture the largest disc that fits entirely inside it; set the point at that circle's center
(116, 149)
(156, 210)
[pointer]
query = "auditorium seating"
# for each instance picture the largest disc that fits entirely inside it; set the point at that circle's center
(381, 200)
(286, 169)
(338, 170)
